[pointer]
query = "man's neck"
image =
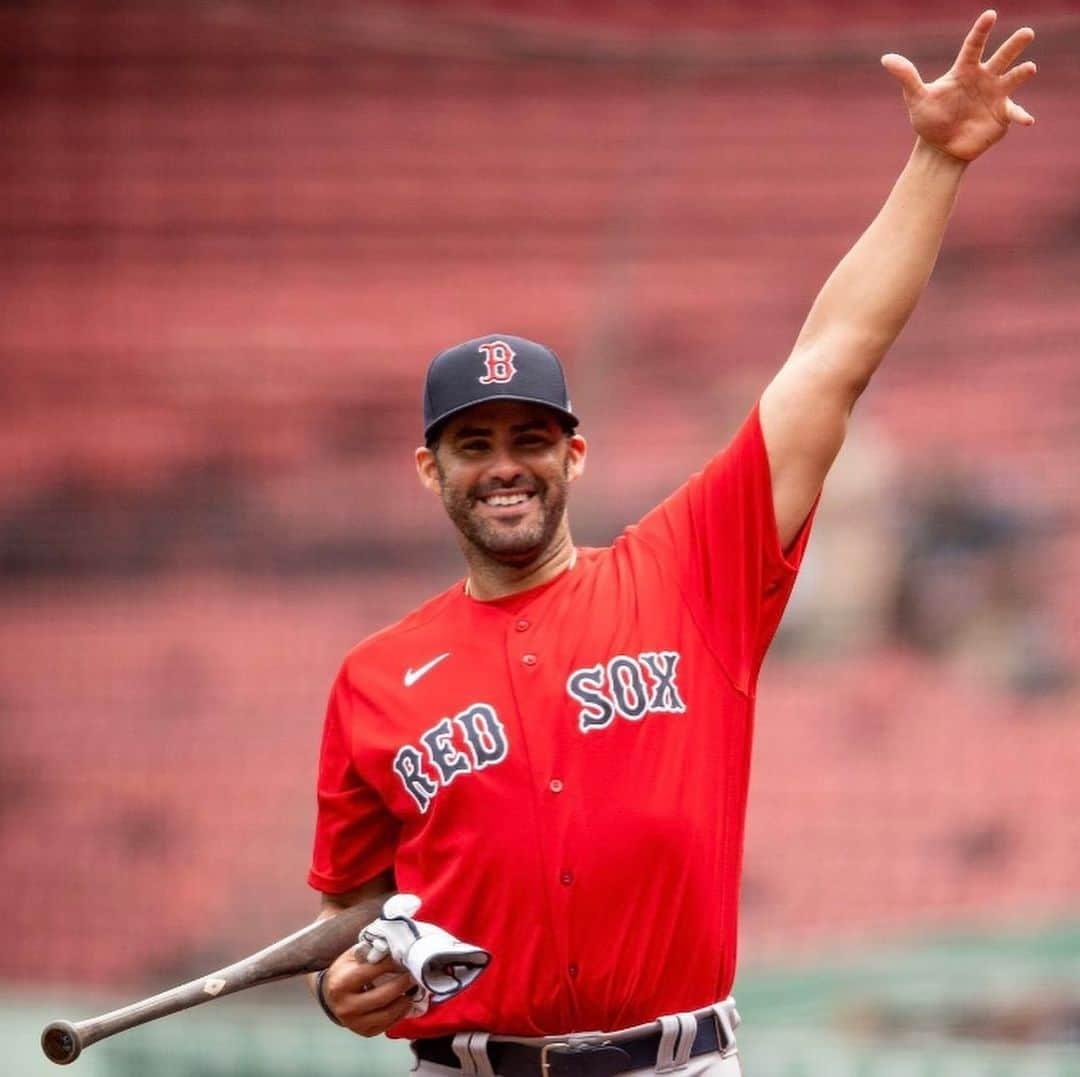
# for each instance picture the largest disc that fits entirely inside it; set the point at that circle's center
(489, 580)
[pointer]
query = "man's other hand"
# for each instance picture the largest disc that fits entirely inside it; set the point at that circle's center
(970, 107)
(367, 998)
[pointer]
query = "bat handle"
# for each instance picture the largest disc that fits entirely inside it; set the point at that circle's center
(61, 1042)
(308, 950)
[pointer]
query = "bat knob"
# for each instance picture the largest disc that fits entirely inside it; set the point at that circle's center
(60, 1042)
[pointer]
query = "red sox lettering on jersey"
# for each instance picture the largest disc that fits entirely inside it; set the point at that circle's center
(630, 687)
(566, 767)
(475, 738)
(483, 743)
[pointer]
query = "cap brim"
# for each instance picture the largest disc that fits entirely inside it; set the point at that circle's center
(443, 419)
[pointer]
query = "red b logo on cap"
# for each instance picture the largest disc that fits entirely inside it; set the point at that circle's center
(499, 361)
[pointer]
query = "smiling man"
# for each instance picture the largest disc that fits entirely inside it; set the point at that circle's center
(554, 753)
(501, 452)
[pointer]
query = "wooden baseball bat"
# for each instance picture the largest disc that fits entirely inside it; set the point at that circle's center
(308, 950)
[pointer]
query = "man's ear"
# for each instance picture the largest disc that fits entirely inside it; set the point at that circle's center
(575, 459)
(428, 470)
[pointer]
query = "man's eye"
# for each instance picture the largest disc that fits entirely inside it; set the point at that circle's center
(473, 446)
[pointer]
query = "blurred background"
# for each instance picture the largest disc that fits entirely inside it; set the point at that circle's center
(234, 232)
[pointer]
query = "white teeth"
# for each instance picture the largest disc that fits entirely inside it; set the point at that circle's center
(506, 499)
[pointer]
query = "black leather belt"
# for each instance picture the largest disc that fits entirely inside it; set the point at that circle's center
(571, 1060)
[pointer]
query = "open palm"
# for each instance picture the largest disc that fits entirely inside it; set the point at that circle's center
(969, 108)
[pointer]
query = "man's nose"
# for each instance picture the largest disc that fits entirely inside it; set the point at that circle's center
(504, 465)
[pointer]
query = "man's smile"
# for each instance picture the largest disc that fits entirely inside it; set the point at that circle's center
(506, 502)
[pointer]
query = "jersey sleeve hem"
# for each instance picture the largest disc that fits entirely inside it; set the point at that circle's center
(331, 884)
(790, 558)
(782, 563)
(785, 559)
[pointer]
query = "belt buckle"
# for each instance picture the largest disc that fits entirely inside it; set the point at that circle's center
(580, 1049)
(545, 1065)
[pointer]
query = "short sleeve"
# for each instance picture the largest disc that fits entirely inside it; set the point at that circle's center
(717, 534)
(356, 836)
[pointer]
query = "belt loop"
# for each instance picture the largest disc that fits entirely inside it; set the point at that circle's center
(727, 1020)
(677, 1034)
(471, 1050)
(464, 1055)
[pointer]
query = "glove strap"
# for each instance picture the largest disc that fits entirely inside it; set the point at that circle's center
(319, 977)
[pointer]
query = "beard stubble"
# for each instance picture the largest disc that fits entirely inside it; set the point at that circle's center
(513, 545)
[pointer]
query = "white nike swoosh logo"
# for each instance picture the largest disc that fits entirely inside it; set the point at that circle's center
(413, 675)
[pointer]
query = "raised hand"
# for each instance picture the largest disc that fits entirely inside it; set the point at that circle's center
(970, 107)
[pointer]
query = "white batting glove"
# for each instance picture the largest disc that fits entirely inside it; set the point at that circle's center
(441, 965)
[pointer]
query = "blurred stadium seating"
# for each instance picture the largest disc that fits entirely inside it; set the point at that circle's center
(231, 234)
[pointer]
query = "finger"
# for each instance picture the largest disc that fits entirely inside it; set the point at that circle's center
(363, 1002)
(368, 970)
(379, 996)
(372, 951)
(1019, 115)
(904, 71)
(1010, 49)
(354, 975)
(972, 49)
(374, 1024)
(350, 977)
(399, 1010)
(1013, 80)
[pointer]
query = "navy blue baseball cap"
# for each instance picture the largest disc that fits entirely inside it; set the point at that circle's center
(495, 367)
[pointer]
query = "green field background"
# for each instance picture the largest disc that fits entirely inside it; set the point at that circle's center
(814, 1020)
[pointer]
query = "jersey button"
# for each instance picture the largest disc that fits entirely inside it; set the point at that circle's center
(572, 969)
(522, 625)
(529, 659)
(566, 878)
(555, 785)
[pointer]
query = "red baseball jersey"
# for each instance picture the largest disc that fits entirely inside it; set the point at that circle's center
(561, 775)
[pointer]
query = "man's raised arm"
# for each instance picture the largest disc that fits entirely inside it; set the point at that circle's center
(872, 292)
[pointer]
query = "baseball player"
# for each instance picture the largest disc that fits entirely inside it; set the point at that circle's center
(553, 754)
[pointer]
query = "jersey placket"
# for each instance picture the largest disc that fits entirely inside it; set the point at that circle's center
(540, 707)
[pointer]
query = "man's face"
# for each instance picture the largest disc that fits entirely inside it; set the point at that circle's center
(502, 470)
